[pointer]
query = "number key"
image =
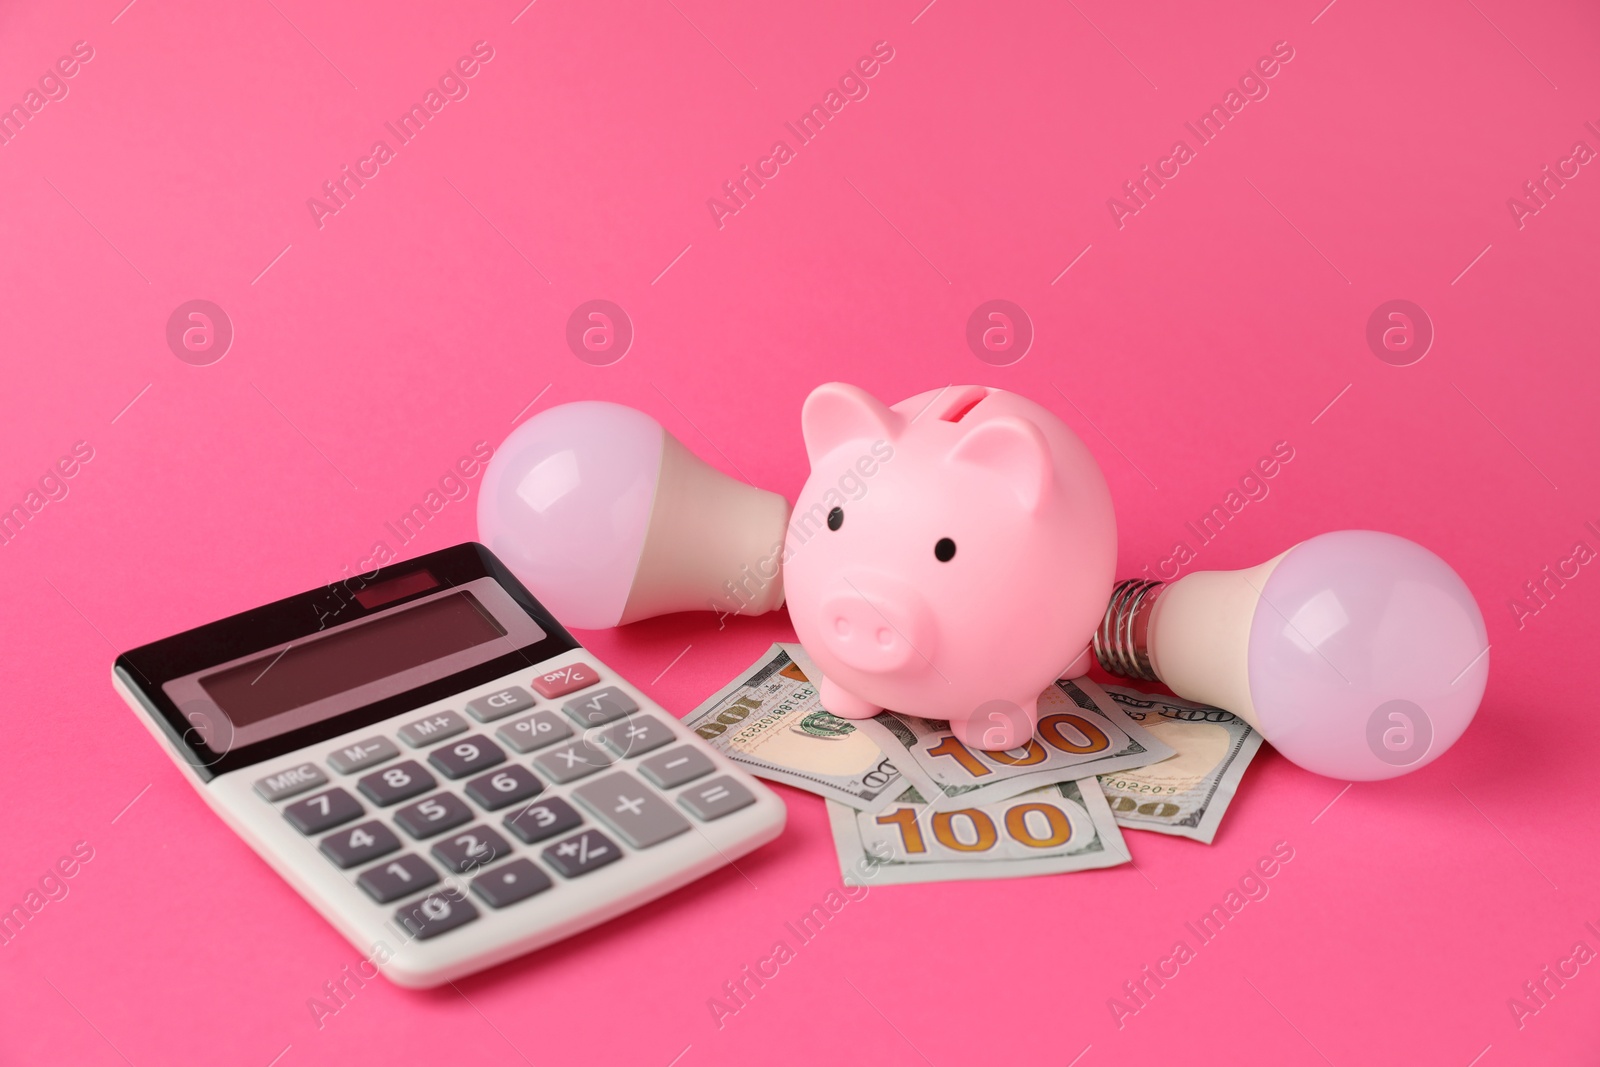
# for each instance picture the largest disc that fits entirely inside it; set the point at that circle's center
(467, 756)
(323, 811)
(436, 913)
(400, 782)
(506, 786)
(347, 848)
(542, 819)
(471, 849)
(433, 816)
(400, 877)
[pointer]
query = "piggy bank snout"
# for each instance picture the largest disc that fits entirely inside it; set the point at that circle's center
(878, 624)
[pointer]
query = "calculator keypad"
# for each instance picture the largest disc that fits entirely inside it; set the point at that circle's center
(394, 784)
(471, 849)
(510, 883)
(499, 704)
(543, 819)
(295, 780)
(400, 877)
(634, 810)
(716, 798)
(675, 766)
(629, 806)
(360, 843)
(427, 818)
(434, 728)
(323, 811)
(564, 680)
(436, 913)
(466, 756)
(363, 754)
(582, 853)
(636, 736)
(599, 707)
(534, 732)
(572, 761)
(504, 787)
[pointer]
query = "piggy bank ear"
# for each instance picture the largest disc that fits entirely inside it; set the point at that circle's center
(1012, 451)
(835, 413)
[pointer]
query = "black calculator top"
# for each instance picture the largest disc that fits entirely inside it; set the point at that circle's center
(310, 667)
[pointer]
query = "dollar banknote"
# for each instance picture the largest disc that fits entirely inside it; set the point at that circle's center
(1188, 793)
(770, 720)
(1081, 732)
(1061, 827)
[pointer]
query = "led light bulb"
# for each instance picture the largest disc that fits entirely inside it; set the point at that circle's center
(608, 519)
(1356, 654)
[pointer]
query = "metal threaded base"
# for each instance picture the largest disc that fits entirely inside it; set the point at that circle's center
(1121, 643)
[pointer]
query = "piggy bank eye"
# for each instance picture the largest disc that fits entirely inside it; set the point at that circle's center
(945, 550)
(836, 520)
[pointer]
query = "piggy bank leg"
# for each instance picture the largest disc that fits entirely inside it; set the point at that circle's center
(1081, 665)
(997, 725)
(843, 704)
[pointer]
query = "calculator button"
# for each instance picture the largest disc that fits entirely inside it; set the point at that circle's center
(675, 766)
(362, 754)
(534, 731)
(435, 727)
(500, 704)
(466, 756)
(542, 819)
(716, 798)
(582, 853)
(400, 782)
(572, 761)
(638, 735)
(436, 913)
(471, 849)
(631, 808)
(291, 782)
(506, 786)
(323, 811)
(433, 816)
(601, 706)
(568, 679)
(400, 877)
(357, 845)
(517, 880)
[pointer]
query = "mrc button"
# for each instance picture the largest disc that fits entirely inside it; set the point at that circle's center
(291, 782)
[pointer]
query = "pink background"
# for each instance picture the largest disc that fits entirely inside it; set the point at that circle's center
(428, 313)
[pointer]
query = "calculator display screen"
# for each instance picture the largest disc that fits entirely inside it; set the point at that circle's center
(345, 658)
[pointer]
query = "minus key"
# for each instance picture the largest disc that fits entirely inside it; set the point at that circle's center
(675, 766)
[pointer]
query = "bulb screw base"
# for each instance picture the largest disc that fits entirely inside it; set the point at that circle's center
(1122, 641)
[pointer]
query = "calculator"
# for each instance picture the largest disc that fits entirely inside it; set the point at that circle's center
(438, 767)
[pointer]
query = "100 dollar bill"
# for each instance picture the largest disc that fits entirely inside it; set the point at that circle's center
(1062, 827)
(1081, 732)
(770, 720)
(1186, 794)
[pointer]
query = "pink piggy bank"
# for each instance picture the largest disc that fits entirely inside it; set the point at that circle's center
(949, 556)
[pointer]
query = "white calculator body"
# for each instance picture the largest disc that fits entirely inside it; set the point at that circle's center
(434, 763)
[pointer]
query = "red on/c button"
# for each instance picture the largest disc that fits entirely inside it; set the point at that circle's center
(567, 679)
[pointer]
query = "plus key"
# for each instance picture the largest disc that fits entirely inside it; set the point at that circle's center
(634, 810)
